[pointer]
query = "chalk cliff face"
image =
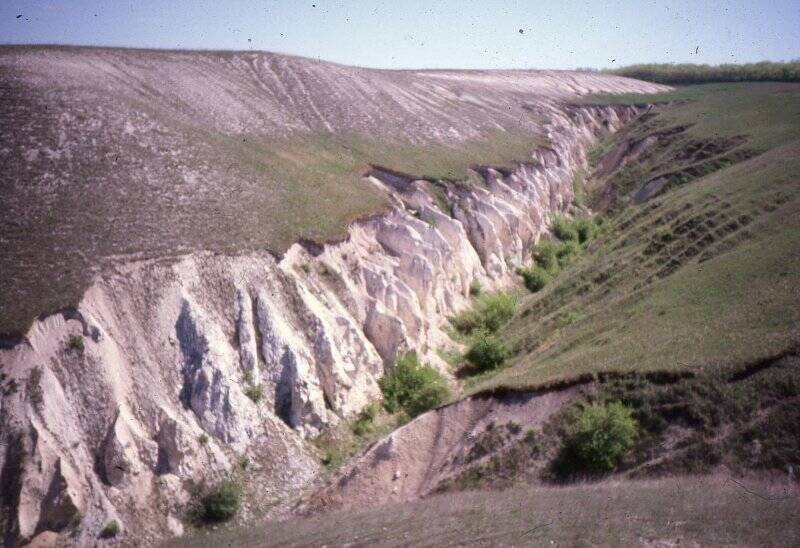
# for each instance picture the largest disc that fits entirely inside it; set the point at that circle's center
(171, 374)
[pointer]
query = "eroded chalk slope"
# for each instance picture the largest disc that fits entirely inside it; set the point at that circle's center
(174, 373)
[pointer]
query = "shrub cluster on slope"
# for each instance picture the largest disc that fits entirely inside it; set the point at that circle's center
(486, 349)
(222, 502)
(111, 530)
(491, 312)
(412, 387)
(550, 257)
(364, 423)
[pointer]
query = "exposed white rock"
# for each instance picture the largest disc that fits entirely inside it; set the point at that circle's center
(174, 526)
(165, 391)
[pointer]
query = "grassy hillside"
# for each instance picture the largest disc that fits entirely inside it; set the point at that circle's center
(117, 155)
(690, 511)
(703, 274)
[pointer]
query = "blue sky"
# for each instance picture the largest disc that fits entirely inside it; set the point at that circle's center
(412, 34)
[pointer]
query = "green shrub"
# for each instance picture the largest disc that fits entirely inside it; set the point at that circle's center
(604, 225)
(568, 318)
(412, 387)
(75, 342)
(475, 288)
(546, 256)
(222, 502)
(490, 313)
(495, 310)
(579, 190)
(564, 229)
(664, 234)
(535, 278)
(202, 439)
(466, 322)
(255, 392)
(567, 252)
(111, 530)
(365, 419)
(587, 229)
(533, 436)
(600, 437)
(333, 458)
(488, 351)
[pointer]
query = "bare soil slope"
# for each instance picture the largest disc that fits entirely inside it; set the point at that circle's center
(419, 457)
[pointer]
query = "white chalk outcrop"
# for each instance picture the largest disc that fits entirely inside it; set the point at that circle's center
(191, 366)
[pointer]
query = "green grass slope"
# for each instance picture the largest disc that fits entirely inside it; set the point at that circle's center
(706, 273)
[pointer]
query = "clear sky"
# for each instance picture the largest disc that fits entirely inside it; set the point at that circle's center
(417, 33)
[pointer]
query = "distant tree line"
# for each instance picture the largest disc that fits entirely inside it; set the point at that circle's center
(700, 74)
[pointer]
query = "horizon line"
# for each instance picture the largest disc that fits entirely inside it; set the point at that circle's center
(321, 60)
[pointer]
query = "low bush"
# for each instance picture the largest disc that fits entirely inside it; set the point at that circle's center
(579, 189)
(564, 229)
(546, 256)
(466, 322)
(254, 392)
(111, 530)
(552, 256)
(535, 278)
(495, 310)
(587, 229)
(75, 342)
(412, 387)
(598, 440)
(475, 288)
(664, 234)
(487, 352)
(490, 313)
(567, 253)
(332, 458)
(364, 421)
(222, 502)
(568, 318)
(580, 230)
